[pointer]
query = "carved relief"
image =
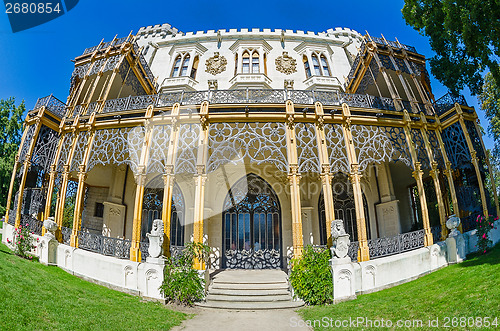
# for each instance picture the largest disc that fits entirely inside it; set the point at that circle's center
(286, 64)
(216, 64)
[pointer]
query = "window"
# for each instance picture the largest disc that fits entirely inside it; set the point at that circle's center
(195, 67)
(185, 64)
(324, 64)
(306, 66)
(317, 70)
(99, 209)
(245, 64)
(177, 65)
(236, 64)
(255, 62)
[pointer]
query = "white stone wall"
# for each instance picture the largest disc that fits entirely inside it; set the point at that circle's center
(162, 47)
(89, 220)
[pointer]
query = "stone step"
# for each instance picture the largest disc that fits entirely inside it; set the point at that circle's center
(261, 286)
(248, 298)
(253, 292)
(251, 305)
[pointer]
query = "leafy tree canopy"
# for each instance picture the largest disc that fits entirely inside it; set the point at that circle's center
(465, 34)
(10, 138)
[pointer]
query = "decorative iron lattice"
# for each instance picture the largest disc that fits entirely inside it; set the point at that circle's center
(418, 142)
(307, 147)
(168, 99)
(475, 139)
(144, 247)
(45, 148)
(158, 150)
(141, 101)
(436, 150)
(456, 147)
(352, 252)
(469, 198)
(117, 146)
(357, 100)
(383, 103)
(469, 223)
(256, 142)
(27, 142)
(336, 148)
(66, 235)
(369, 77)
(119, 248)
(53, 105)
(97, 66)
(32, 223)
(436, 233)
(327, 98)
(187, 149)
(63, 155)
(398, 244)
(447, 101)
(79, 153)
(112, 62)
(402, 65)
(251, 225)
(128, 76)
(229, 96)
(81, 71)
(301, 97)
(353, 71)
(194, 98)
(12, 217)
(386, 62)
(112, 105)
(375, 144)
(33, 201)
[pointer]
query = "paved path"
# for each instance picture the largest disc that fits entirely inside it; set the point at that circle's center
(207, 319)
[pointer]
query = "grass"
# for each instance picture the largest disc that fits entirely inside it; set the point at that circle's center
(38, 297)
(468, 289)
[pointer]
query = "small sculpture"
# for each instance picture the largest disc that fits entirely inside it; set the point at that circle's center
(452, 223)
(51, 226)
(340, 239)
(156, 239)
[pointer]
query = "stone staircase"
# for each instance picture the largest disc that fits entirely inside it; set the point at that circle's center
(250, 290)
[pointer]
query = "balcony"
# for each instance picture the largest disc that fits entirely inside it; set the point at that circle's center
(322, 83)
(178, 84)
(258, 80)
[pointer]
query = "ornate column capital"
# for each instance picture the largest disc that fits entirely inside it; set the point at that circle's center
(434, 172)
(417, 173)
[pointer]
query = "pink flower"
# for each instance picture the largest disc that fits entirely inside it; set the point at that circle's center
(484, 235)
(484, 251)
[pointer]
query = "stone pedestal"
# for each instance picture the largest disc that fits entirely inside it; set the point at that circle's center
(455, 249)
(155, 260)
(114, 218)
(48, 250)
(388, 216)
(343, 279)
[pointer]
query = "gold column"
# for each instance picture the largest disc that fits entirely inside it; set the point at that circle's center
(493, 185)
(168, 179)
(326, 176)
(135, 249)
(294, 181)
(53, 174)
(417, 174)
(474, 160)
(27, 164)
(434, 172)
(355, 178)
(200, 180)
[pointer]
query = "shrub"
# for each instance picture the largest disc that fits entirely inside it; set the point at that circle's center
(484, 226)
(181, 283)
(311, 277)
(23, 242)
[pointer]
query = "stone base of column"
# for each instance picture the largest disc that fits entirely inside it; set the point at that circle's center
(135, 253)
(344, 280)
(363, 253)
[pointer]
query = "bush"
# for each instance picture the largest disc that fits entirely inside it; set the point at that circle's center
(23, 242)
(181, 283)
(484, 226)
(311, 277)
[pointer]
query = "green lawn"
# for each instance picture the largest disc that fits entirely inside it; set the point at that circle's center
(37, 297)
(469, 289)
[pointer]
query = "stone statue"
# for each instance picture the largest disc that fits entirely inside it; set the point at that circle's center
(51, 226)
(156, 239)
(340, 240)
(452, 223)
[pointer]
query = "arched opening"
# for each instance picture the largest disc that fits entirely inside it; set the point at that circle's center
(306, 66)
(255, 62)
(251, 226)
(344, 209)
(185, 65)
(315, 61)
(194, 68)
(177, 66)
(245, 63)
(152, 209)
(324, 64)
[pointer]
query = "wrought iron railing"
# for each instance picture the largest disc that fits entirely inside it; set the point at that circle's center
(436, 233)
(469, 223)
(12, 217)
(394, 44)
(53, 105)
(144, 246)
(109, 246)
(447, 101)
(400, 243)
(353, 251)
(33, 224)
(66, 235)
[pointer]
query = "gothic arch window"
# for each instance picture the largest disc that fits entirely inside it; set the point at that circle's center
(235, 64)
(251, 225)
(177, 66)
(344, 209)
(152, 209)
(185, 65)
(306, 66)
(324, 66)
(245, 63)
(316, 66)
(255, 62)
(195, 67)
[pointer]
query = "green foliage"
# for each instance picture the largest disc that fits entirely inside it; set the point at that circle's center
(464, 35)
(490, 103)
(483, 228)
(311, 277)
(10, 138)
(182, 284)
(23, 242)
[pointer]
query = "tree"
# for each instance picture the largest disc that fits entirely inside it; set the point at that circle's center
(465, 36)
(11, 124)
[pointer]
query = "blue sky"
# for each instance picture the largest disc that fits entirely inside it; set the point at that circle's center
(37, 62)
